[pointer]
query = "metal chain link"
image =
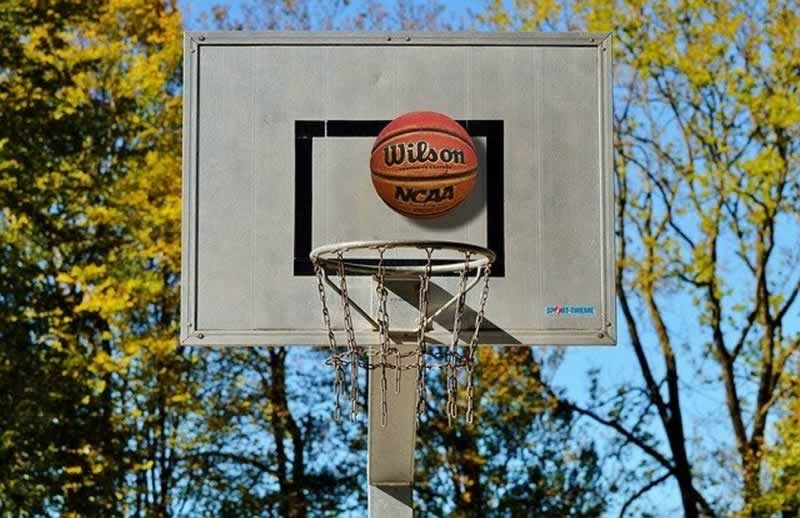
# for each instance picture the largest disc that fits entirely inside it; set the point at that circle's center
(383, 333)
(356, 357)
(452, 375)
(424, 300)
(334, 357)
(470, 360)
(352, 348)
(398, 368)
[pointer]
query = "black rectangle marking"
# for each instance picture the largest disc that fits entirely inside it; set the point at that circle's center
(306, 131)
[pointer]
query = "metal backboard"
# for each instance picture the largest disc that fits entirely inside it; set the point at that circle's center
(278, 129)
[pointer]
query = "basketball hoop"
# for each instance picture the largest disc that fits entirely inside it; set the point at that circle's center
(469, 263)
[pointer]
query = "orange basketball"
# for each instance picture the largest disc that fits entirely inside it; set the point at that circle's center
(424, 164)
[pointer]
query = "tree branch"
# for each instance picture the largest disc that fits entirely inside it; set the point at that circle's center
(233, 457)
(647, 487)
(789, 301)
(617, 427)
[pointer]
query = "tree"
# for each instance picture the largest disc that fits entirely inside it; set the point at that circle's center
(522, 456)
(782, 496)
(707, 120)
(273, 449)
(90, 231)
(102, 413)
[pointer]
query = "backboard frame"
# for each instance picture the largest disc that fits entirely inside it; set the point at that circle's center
(190, 334)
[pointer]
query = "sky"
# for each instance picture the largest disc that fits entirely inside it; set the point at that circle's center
(454, 9)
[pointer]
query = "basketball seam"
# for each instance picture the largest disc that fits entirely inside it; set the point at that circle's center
(413, 130)
(456, 176)
(422, 166)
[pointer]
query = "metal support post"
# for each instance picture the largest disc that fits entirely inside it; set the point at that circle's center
(390, 450)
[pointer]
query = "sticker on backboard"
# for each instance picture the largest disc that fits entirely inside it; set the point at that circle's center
(569, 311)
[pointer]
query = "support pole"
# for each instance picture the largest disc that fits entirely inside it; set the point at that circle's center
(390, 501)
(390, 448)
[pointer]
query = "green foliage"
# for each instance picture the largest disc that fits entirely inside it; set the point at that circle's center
(90, 231)
(782, 495)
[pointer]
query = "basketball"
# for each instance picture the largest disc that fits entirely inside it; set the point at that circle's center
(424, 164)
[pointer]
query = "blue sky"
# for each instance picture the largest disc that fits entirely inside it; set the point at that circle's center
(456, 7)
(457, 10)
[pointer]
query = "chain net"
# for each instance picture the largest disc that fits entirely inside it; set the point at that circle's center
(387, 361)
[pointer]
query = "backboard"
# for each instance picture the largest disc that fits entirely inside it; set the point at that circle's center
(278, 130)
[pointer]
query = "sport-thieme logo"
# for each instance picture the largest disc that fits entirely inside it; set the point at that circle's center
(574, 311)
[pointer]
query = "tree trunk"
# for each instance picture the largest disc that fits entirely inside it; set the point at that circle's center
(292, 499)
(466, 472)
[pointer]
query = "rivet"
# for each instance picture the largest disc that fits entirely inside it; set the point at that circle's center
(608, 324)
(408, 38)
(601, 335)
(201, 38)
(200, 336)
